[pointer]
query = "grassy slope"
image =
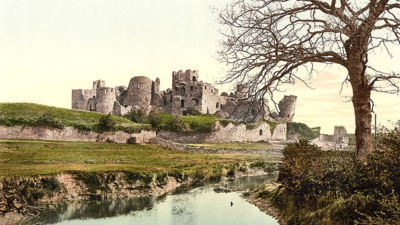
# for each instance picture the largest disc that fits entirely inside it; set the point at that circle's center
(68, 117)
(26, 157)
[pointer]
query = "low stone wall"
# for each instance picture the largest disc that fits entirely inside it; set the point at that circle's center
(185, 148)
(71, 134)
(230, 133)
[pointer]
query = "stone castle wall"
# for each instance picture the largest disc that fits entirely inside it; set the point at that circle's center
(186, 92)
(181, 147)
(230, 133)
(71, 134)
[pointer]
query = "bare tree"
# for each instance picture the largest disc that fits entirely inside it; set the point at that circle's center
(267, 42)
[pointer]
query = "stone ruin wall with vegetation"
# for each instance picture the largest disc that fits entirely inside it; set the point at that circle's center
(230, 133)
(72, 134)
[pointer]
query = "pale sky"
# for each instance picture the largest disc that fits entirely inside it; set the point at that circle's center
(49, 47)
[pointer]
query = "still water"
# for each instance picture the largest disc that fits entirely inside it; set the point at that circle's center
(198, 204)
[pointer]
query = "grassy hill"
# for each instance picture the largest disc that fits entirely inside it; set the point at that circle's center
(34, 115)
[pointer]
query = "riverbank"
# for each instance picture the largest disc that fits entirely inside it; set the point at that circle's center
(67, 188)
(331, 187)
(264, 204)
(40, 172)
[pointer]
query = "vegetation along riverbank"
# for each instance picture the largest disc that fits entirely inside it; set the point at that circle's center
(331, 187)
(36, 172)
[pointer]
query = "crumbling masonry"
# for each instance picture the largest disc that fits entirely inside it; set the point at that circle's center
(187, 91)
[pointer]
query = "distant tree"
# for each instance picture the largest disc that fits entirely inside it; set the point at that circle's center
(267, 41)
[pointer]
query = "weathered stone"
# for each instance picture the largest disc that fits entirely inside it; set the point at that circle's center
(230, 133)
(187, 91)
(71, 134)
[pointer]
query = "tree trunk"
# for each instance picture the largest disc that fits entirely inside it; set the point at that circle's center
(362, 112)
(356, 49)
(362, 109)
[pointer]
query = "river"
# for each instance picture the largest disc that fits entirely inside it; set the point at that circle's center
(198, 204)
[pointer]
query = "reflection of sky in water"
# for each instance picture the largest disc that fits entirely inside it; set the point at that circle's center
(197, 206)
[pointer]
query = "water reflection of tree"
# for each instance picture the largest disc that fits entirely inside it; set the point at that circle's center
(99, 209)
(184, 206)
(183, 209)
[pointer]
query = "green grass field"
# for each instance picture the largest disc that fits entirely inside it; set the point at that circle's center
(30, 158)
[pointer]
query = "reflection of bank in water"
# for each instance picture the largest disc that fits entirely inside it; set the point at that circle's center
(186, 205)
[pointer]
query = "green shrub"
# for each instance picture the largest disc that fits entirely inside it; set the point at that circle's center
(177, 124)
(48, 119)
(154, 119)
(331, 187)
(257, 164)
(107, 122)
(137, 116)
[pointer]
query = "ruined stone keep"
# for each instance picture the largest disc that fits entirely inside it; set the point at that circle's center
(186, 91)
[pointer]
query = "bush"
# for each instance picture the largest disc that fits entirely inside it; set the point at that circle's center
(107, 122)
(137, 116)
(48, 119)
(331, 187)
(177, 124)
(154, 119)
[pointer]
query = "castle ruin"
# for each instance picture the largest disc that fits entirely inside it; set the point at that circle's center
(187, 91)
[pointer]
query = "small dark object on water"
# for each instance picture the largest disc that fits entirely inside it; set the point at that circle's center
(231, 204)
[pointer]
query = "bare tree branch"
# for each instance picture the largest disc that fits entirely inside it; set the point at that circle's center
(269, 41)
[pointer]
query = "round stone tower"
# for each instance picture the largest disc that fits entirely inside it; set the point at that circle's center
(287, 107)
(139, 92)
(104, 101)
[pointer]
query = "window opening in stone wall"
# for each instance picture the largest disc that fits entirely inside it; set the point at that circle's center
(138, 86)
(184, 113)
(208, 112)
(191, 88)
(94, 96)
(205, 87)
(182, 103)
(90, 108)
(194, 78)
(217, 106)
(183, 91)
(197, 101)
(261, 132)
